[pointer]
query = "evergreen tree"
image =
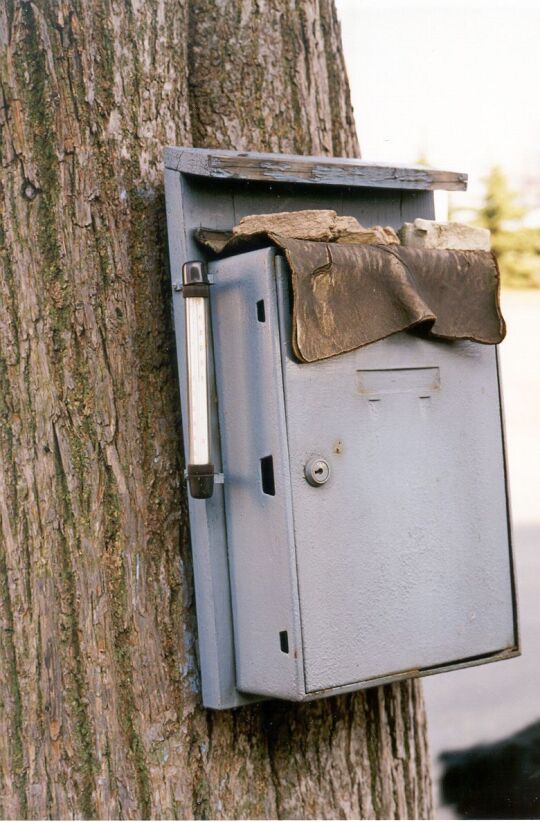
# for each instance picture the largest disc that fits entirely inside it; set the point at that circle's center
(500, 208)
(516, 247)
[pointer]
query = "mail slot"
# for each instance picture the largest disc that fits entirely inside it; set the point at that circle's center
(358, 528)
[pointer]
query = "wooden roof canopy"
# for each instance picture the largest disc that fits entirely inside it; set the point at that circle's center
(286, 168)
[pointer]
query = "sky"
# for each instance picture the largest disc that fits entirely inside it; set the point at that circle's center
(456, 83)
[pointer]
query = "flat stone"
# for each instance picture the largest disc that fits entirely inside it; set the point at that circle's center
(323, 225)
(349, 230)
(298, 225)
(431, 234)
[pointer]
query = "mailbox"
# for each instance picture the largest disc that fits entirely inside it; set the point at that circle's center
(353, 526)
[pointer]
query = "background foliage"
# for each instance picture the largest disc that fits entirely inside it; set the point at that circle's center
(516, 246)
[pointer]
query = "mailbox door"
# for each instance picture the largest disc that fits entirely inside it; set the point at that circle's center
(258, 509)
(403, 555)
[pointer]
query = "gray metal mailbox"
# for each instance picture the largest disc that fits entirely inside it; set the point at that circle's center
(361, 531)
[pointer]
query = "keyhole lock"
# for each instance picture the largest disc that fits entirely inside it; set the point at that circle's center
(317, 471)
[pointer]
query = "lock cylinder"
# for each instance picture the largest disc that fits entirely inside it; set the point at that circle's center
(196, 291)
(317, 471)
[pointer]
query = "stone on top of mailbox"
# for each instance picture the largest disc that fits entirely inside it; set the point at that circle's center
(323, 225)
(457, 236)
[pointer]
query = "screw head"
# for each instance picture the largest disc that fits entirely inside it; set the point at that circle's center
(317, 471)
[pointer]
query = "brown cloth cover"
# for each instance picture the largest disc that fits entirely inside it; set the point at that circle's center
(348, 295)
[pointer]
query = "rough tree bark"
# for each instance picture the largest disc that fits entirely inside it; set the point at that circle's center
(99, 711)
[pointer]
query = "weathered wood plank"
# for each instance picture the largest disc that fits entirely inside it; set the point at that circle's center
(318, 170)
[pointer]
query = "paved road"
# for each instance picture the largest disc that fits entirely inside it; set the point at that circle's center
(492, 701)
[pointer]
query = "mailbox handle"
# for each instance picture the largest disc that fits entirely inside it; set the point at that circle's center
(196, 294)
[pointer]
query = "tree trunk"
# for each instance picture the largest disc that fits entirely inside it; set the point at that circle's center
(100, 715)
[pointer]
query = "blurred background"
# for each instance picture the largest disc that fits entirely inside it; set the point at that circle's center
(455, 86)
